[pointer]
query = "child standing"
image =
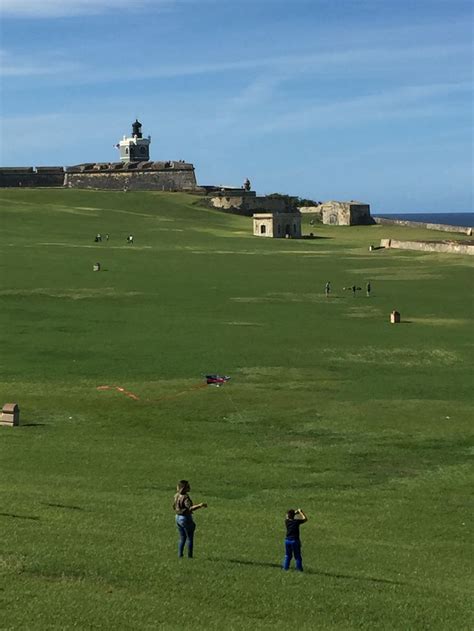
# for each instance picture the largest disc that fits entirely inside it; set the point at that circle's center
(293, 521)
(184, 509)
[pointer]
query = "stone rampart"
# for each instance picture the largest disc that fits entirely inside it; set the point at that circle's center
(141, 176)
(31, 177)
(247, 204)
(450, 247)
(149, 176)
(419, 224)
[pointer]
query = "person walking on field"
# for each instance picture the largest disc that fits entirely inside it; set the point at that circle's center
(368, 289)
(293, 521)
(184, 508)
(327, 288)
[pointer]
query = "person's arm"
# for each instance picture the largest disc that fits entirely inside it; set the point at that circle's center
(198, 506)
(300, 515)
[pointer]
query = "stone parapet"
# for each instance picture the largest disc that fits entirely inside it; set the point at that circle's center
(134, 180)
(248, 204)
(31, 177)
(449, 247)
(419, 224)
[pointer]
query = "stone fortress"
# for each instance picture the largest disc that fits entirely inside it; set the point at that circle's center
(341, 213)
(134, 171)
(274, 216)
(137, 172)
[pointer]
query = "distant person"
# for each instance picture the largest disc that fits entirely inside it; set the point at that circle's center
(327, 288)
(107, 236)
(293, 521)
(130, 239)
(98, 238)
(368, 289)
(184, 509)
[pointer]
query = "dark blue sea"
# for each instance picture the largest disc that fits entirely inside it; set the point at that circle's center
(450, 219)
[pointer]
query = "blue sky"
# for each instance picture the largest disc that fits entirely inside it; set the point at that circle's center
(327, 99)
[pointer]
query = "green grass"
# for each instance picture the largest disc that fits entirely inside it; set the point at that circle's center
(365, 425)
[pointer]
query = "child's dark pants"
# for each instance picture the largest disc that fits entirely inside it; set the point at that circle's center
(186, 528)
(293, 549)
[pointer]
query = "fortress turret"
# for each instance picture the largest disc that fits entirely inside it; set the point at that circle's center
(135, 147)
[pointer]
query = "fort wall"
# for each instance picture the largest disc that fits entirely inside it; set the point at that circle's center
(338, 213)
(247, 204)
(419, 224)
(450, 247)
(154, 176)
(33, 177)
(135, 176)
(134, 181)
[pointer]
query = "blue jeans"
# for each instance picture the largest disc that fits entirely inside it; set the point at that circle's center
(186, 528)
(293, 549)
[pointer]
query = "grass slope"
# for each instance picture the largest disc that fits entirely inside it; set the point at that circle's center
(363, 424)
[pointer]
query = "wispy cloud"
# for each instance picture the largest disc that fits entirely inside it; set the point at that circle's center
(70, 8)
(402, 102)
(360, 60)
(19, 66)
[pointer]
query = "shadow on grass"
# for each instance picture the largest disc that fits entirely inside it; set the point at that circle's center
(70, 507)
(371, 579)
(19, 516)
(33, 425)
(256, 563)
(352, 577)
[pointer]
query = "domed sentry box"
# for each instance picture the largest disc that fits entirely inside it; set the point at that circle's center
(10, 415)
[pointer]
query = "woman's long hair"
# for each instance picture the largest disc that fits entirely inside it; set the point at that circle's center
(182, 487)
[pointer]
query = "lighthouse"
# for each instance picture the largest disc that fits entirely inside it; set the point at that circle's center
(135, 148)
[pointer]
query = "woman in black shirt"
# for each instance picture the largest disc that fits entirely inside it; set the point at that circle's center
(293, 521)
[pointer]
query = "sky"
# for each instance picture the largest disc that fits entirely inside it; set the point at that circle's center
(368, 100)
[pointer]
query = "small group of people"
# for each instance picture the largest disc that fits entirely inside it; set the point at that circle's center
(184, 508)
(353, 288)
(98, 238)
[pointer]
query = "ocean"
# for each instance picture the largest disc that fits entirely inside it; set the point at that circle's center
(450, 219)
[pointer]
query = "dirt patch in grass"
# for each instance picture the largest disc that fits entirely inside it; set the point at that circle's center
(434, 321)
(243, 323)
(96, 247)
(12, 563)
(71, 294)
(285, 297)
(395, 273)
(367, 311)
(396, 356)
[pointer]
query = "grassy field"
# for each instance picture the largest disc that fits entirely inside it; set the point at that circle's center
(363, 424)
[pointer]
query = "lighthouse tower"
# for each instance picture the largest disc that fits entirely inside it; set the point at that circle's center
(135, 147)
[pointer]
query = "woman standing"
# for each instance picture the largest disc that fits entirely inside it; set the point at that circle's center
(184, 509)
(293, 521)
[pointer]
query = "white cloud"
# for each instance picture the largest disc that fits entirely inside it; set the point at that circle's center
(19, 66)
(282, 67)
(69, 8)
(403, 102)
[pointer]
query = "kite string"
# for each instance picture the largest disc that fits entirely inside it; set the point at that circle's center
(120, 389)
